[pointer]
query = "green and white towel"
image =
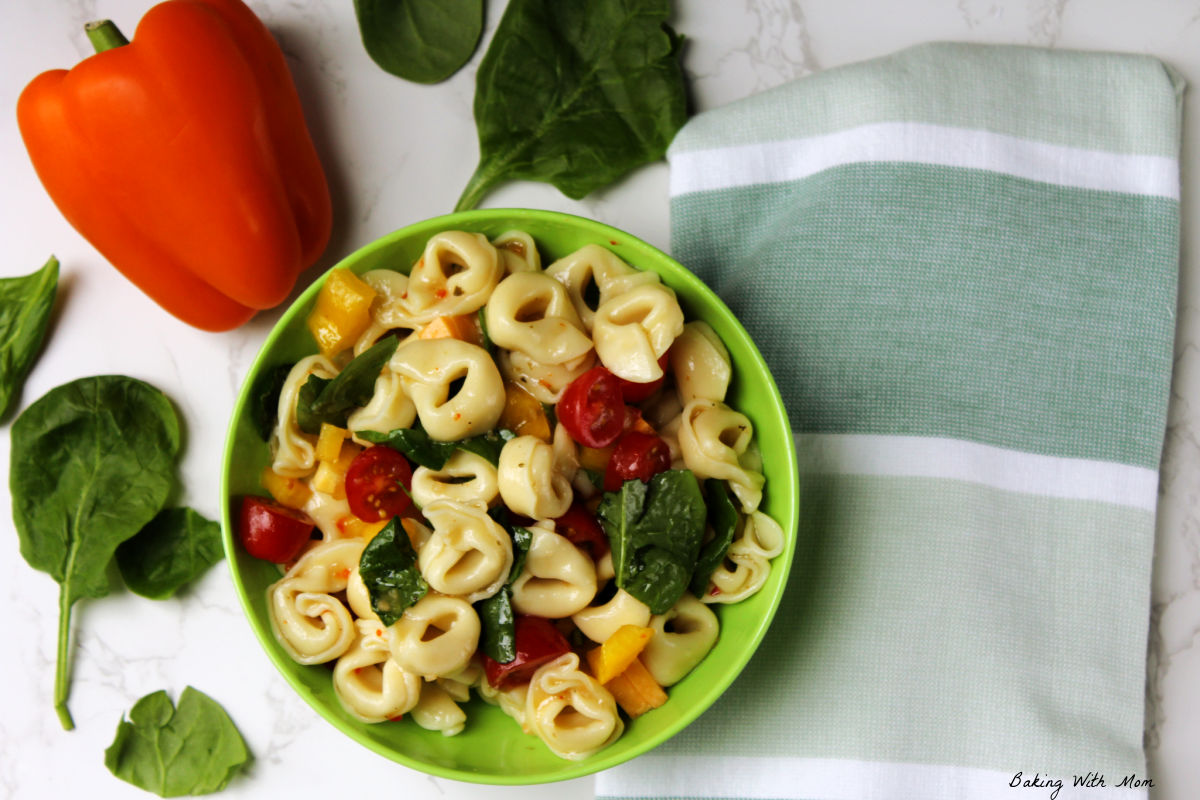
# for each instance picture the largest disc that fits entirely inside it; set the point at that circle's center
(960, 263)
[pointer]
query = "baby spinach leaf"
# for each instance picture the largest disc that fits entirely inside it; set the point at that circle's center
(388, 567)
(723, 519)
(175, 548)
(174, 751)
(655, 532)
(264, 399)
(425, 451)
(497, 621)
(575, 94)
(425, 41)
(332, 399)
(496, 614)
(25, 305)
(92, 462)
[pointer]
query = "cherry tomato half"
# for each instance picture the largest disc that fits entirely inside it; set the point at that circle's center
(581, 529)
(637, 392)
(592, 408)
(637, 455)
(537, 641)
(378, 483)
(272, 532)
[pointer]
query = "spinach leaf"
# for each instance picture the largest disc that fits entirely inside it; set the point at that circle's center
(425, 41)
(388, 567)
(655, 532)
(575, 94)
(264, 399)
(175, 548)
(25, 305)
(92, 462)
(498, 623)
(496, 614)
(174, 751)
(332, 399)
(723, 519)
(425, 451)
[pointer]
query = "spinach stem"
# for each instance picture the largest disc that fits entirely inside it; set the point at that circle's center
(62, 673)
(477, 187)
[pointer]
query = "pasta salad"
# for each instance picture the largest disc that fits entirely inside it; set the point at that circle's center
(513, 479)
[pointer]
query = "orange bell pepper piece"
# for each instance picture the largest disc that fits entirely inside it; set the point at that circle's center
(184, 158)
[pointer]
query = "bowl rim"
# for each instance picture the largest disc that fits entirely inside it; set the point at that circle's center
(789, 477)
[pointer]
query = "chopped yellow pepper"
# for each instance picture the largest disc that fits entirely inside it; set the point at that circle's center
(523, 413)
(618, 651)
(342, 312)
(463, 326)
(329, 443)
(635, 690)
(290, 492)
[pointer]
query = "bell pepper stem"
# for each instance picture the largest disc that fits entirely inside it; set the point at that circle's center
(104, 35)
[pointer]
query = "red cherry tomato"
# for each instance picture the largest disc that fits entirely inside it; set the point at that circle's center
(592, 409)
(637, 455)
(538, 641)
(377, 484)
(272, 532)
(637, 392)
(581, 529)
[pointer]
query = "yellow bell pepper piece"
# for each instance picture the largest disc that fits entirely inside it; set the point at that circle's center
(523, 413)
(342, 312)
(290, 492)
(329, 443)
(463, 326)
(618, 651)
(635, 690)
(351, 525)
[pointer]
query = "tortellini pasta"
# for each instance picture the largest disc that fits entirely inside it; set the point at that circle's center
(494, 521)
(700, 364)
(712, 438)
(465, 478)
(671, 654)
(634, 329)
(531, 312)
(558, 579)
(431, 368)
(436, 636)
(602, 621)
(573, 714)
(437, 711)
(747, 562)
(530, 481)
(388, 409)
(456, 275)
(368, 683)
(294, 451)
(594, 266)
(468, 555)
(311, 624)
(518, 252)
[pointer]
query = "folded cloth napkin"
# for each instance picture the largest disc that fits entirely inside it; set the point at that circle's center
(960, 263)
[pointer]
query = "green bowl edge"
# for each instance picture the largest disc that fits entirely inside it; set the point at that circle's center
(784, 509)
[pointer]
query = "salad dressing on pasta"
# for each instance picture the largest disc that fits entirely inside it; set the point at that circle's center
(546, 328)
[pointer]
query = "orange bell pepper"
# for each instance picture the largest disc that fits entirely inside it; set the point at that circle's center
(184, 158)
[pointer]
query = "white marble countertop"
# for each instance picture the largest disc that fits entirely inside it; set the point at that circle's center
(397, 152)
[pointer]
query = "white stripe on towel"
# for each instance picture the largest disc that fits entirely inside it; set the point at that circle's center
(782, 161)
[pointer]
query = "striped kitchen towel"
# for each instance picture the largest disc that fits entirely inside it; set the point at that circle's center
(960, 263)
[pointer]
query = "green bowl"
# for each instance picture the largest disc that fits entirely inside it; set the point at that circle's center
(492, 749)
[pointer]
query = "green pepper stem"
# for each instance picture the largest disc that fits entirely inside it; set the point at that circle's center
(104, 35)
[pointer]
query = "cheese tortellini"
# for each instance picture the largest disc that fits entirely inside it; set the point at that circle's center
(501, 491)
(573, 714)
